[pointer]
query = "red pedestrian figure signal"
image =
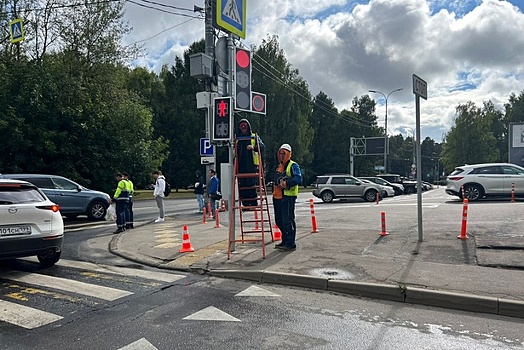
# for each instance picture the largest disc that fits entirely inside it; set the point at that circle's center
(222, 119)
(222, 109)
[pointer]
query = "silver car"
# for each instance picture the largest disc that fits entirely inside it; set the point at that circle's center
(486, 180)
(330, 187)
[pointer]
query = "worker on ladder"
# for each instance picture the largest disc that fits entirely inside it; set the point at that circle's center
(247, 144)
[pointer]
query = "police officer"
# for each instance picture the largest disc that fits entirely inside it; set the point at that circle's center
(129, 211)
(121, 198)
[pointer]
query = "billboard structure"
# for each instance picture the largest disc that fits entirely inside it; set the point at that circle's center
(516, 143)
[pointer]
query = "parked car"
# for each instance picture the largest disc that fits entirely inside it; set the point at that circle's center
(410, 186)
(329, 187)
(74, 199)
(386, 191)
(486, 180)
(398, 188)
(30, 224)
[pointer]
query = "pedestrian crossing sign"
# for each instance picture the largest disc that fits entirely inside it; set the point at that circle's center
(231, 16)
(16, 30)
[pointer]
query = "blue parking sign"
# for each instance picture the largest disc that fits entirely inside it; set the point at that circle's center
(206, 148)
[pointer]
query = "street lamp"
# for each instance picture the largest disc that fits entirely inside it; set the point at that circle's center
(385, 126)
(413, 138)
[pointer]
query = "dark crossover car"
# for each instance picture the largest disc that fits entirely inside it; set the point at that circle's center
(398, 188)
(74, 199)
(330, 187)
(409, 185)
(30, 224)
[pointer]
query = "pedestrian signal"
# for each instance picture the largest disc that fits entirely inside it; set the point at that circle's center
(222, 116)
(242, 79)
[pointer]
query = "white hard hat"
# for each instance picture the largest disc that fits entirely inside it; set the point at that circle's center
(286, 147)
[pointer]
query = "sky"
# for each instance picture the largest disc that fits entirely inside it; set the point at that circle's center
(466, 50)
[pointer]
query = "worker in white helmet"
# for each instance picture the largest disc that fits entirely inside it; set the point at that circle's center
(285, 192)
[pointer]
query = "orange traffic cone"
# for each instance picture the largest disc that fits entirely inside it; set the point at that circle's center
(217, 220)
(277, 235)
(223, 205)
(186, 244)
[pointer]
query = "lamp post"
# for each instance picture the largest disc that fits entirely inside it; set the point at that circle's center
(385, 126)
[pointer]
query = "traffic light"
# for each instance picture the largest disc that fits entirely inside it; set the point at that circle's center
(242, 79)
(222, 119)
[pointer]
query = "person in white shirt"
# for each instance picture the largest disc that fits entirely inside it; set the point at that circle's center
(158, 193)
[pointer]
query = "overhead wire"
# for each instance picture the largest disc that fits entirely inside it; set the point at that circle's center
(322, 105)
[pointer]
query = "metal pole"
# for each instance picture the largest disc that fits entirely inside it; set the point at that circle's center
(210, 51)
(386, 138)
(231, 62)
(419, 170)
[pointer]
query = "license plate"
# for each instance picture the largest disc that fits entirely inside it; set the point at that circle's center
(15, 230)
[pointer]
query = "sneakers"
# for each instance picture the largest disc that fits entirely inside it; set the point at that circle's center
(160, 220)
(279, 245)
(119, 230)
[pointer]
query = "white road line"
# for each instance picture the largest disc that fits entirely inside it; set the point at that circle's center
(140, 344)
(211, 313)
(126, 271)
(23, 316)
(67, 285)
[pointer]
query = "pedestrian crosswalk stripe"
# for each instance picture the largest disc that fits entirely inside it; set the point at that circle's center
(92, 290)
(211, 313)
(255, 291)
(23, 316)
(140, 344)
(125, 271)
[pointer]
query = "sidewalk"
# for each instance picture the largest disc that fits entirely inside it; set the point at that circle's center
(437, 272)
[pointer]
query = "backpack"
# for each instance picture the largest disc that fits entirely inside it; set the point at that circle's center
(167, 189)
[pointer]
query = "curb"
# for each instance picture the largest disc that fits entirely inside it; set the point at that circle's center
(397, 293)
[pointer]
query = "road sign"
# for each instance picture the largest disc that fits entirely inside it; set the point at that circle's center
(222, 119)
(231, 16)
(206, 148)
(207, 160)
(420, 87)
(16, 30)
(258, 102)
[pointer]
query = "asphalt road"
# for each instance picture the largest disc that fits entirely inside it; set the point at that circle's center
(94, 300)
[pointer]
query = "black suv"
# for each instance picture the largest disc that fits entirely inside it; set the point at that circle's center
(409, 186)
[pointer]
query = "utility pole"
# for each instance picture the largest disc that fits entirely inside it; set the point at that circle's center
(209, 51)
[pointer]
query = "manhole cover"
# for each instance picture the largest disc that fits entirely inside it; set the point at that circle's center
(332, 273)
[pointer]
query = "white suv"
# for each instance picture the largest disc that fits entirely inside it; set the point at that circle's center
(486, 180)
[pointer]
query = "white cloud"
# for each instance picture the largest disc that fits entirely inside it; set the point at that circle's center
(467, 50)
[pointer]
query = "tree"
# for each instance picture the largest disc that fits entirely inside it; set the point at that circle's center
(471, 140)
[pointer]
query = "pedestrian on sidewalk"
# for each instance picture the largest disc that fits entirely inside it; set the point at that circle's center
(199, 191)
(129, 211)
(285, 191)
(247, 144)
(121, 200)
(213, 191)
(158, 193)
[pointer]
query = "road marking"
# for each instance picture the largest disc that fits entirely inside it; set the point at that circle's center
(26, 317)
(255, 291)
(211, 313)
(140, 344)
(123, 271)
(67, 285)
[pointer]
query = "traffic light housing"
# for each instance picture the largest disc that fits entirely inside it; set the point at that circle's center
(222, 119)
(242, 79)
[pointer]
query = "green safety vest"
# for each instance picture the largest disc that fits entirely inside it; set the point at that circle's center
(256, 159)
(293, 191)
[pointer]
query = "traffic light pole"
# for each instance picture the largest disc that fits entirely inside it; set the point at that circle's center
(231, 212)
(210, 51)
